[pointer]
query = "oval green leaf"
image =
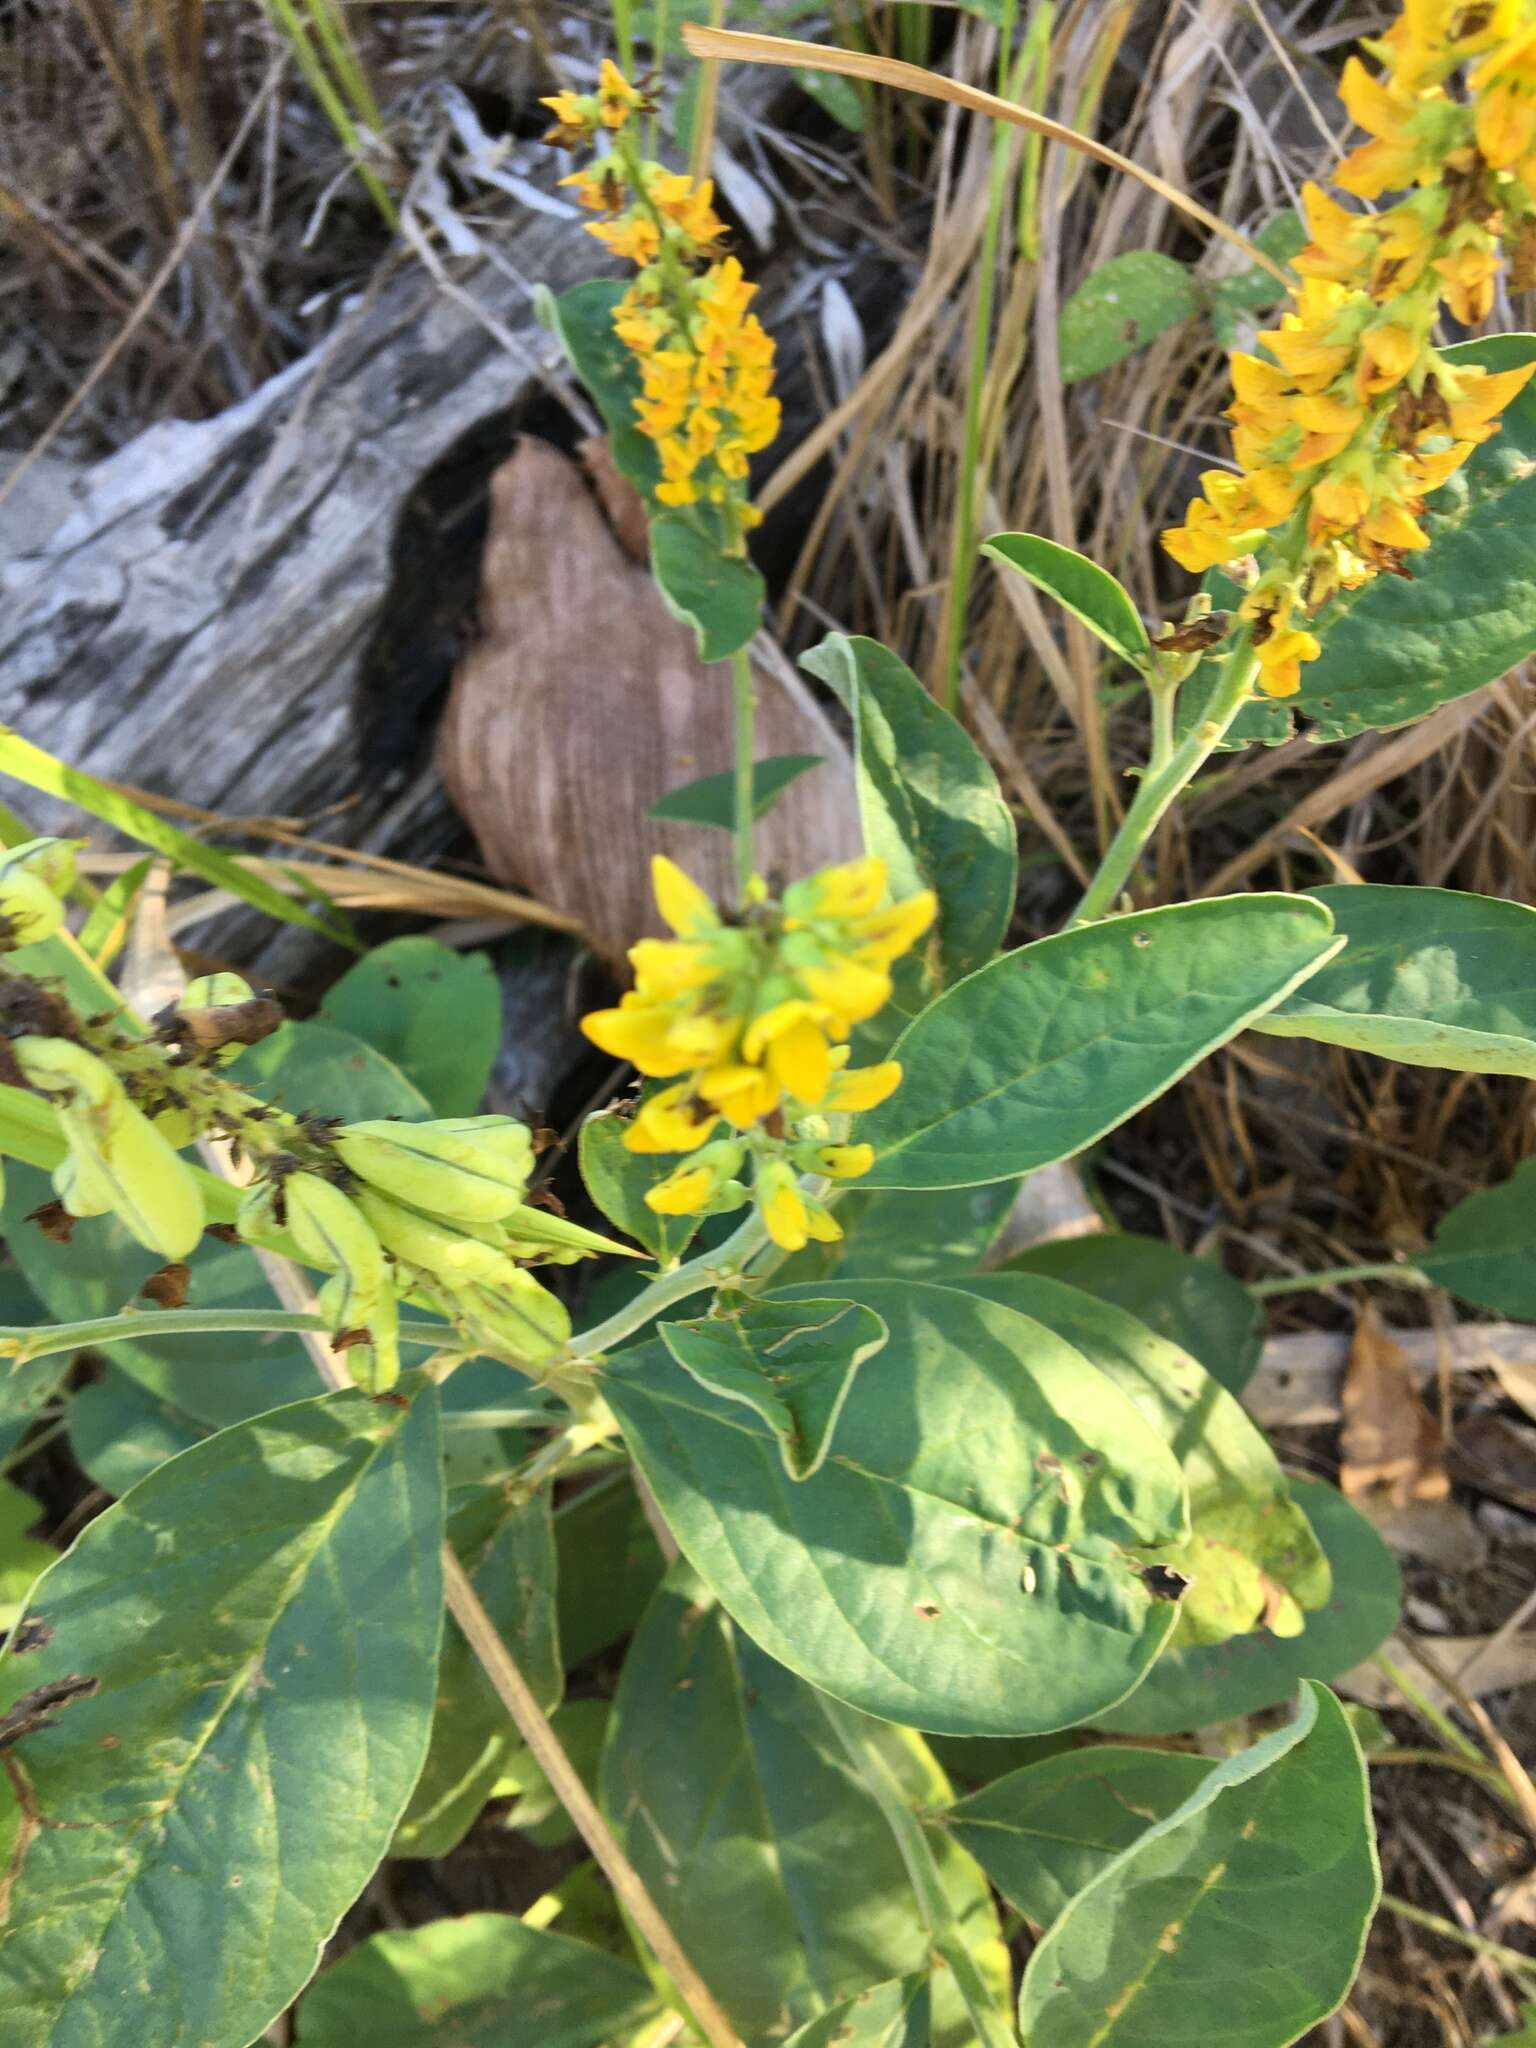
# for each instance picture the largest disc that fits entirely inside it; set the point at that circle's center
(719, 596)
(711, 799)
(1209, 1682)
(791, 1363)
(929, 804)
(1032, 1058)
(1240, 1917)
(894, 2015)
(1120, 307)
(1081, 587)
(967, 1559)
(482, 1981)
(617, 1180)
(1485, 1249)
(1041, 1834)
(732, 1796)
(1188, 1300)
(263, 1697)
(432, 1011)
(1432, 977)
(1251, 1560)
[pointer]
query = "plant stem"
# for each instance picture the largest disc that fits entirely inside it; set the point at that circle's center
(1507, 1958)
(852, 1732)
(1397, 1271)
(1160, 787)
(963, 545)
(710, 1269)
(511, 1689)
(742, 808)
(20, 1343)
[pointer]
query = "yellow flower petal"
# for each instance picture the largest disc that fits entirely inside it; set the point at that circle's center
(863, 1088)
(679, 898)
(798, 1060)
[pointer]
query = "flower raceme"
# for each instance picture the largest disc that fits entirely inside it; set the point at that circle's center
(1352, 417)
(755, 1016)
(704, 358)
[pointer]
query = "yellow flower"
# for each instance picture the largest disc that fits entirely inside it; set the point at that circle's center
(1349, 415)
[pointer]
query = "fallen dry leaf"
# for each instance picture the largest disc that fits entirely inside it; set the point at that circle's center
(1391, 1445)
(584, 701)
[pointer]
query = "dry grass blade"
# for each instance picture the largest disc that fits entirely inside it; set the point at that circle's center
(746, 48)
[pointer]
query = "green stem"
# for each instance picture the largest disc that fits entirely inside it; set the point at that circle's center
(963, 545)
(710, 1269)
(1507, 1958)
(853, 1733)
(1159, 787)
(742, 809)
(1396, 1271)
(1164, 697)
(21, 1343)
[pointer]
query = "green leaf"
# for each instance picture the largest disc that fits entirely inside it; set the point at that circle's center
(1081, 587)
(1525, 2038)
(120, 1431)
(617, 1180)
(1034, 1057)
(711, 800)
(584, 322)
(774, 1867)
(929, 804)
(1043, 1833)
(967, 1560)
(581, 1727)
(318, 1069)
(482, 1981)
(508, 1549)
(261, 1617)
(1253, 290)
(1240, 1917)
(22, 1555)
(903, 1235)
(40, 770)
(1251, 1558)
(609, 1566)
(1209, 1682)
(1485, 1249)
(1188, 1300)
(435, 1013)
(835, 95)
(1119, 308)
(719, 596)
(1432, 977)
(791, 1363)
(1464, 614)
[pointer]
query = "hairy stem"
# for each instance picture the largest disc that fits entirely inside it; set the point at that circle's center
(1399, 1273)
(710, 1269)
(511, 1689)
(1161, 785)
(20, 1343)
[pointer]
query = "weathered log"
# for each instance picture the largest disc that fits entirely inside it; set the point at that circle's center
(237, 611)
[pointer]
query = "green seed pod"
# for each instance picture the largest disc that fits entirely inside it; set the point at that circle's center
(29, 910)
(331, 1232)
(438, 1249)
(523, 1322)
(81, 1186)
(540, 1234)
(473, 1169)
(153, 1191)
(52, 861)
(375, 1366)
(72, 1078)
